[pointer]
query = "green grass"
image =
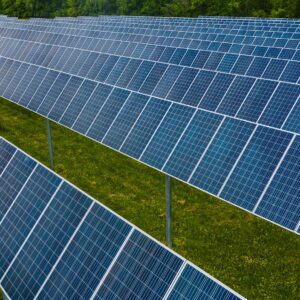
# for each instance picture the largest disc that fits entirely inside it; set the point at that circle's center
(256, 258)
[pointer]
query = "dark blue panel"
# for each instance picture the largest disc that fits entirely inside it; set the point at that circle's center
(280, 203)
(79, 100)
(45, 243)
(134, 276)
(216, 91)
(177, 56)
(257, 100)
(128, 73)
(147, 51)
(106, 69)
(42, 91)
(192, 144)
(201, 59)
(198, 88)
(65, 98)
(125, 120)
(153, 78)
(258, 66)
(15, 81)
(193, 284)
(273, 52)
(227, 62)
(222, 155)
(88, 256)
(107, 114)
(91, 109)
(74, 62)
(167, 54)
(274, 69)
(117, 70)
(291, 72)
(32, 87)
(235, 95)
(157, 53)
(7, 151)
(287, 53)
(13, 179)
(255, 167)
(140, 75)
(145, 127)
(24, 213)
(4, 82)
(167, 135)
(182, 84)
(213, 61)
(280, 105)
(23, 84)
(189, 57)
(53, 94)
(167, 81)
(242, 64)
(92, 65)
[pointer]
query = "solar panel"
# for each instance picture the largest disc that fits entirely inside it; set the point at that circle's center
(59, 243)
(170, 128)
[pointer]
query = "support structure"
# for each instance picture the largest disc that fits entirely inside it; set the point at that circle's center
(50, 146)
(169, 210)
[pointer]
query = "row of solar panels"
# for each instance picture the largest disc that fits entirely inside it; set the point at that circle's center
(252, 99)
(58, 243)
(262, 37)
(251, 166)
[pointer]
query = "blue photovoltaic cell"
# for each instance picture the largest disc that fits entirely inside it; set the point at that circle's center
(274, 69)
(13, 179)
(140, 75)
(45, 243)
(281, 200)
(107, 114)
(280, 105)
(19, 90)
(53, 94)
(227, 62)
(32, 87)
(128, 72)
(8, 76)
(242, 64)
(177, 56)
(153, 78)
(6, 151)
(257, 100)
(182, 84)
(255, 167)
(291, 72)
(198, 88)
(106, 69)
(91, 67)
(125, 120)
(293, 121)
(213, 61)
(222, 155)
(88, 256)
(79, 100)
(167, 81)
(216, 91)
(189, 57)
(142, 131)
(235, 95)
(117, 70)
(140, 258)
(91, 109)
(24, 213)
(65, 98)
(192, 144)
(193, 285)
(201, 59)
(15, 81)
(167, 135)
(167, 54)
(43, 89)
(258, 66)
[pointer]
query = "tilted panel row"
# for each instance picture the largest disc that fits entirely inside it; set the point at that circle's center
(59, 243)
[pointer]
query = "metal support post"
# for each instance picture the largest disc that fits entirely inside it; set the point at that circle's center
(169, 210)
(50, 146)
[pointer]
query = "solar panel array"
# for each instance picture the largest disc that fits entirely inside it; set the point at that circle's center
(213, 102)
(56, 242)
